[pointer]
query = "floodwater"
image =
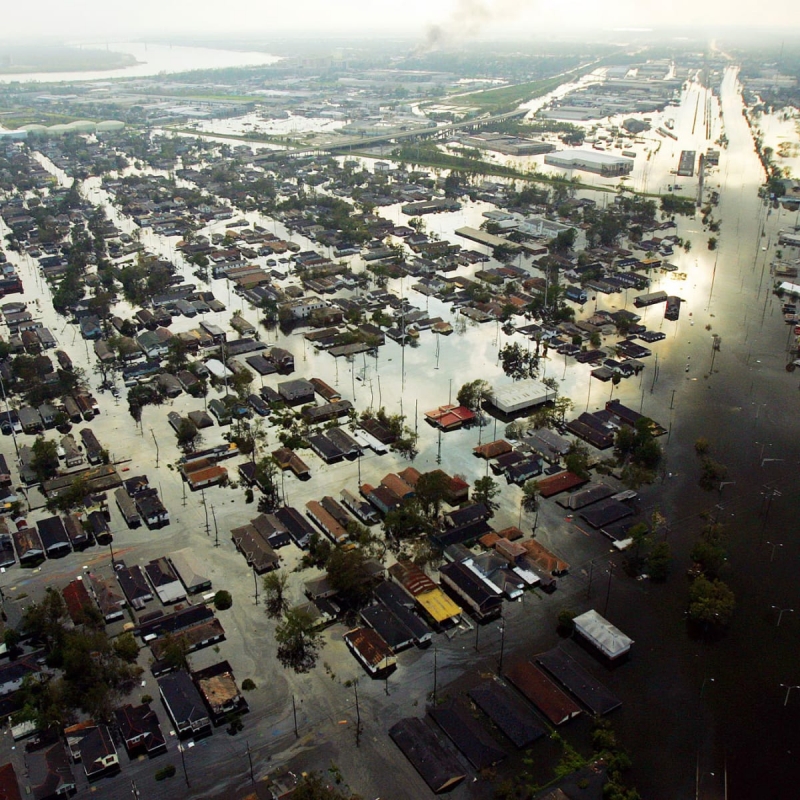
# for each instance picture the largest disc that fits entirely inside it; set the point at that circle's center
(697, 715)
(154, 59)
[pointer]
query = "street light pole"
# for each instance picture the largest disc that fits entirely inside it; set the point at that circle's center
(502, 644)
(781, 612)
(773, 545)
(788, 691)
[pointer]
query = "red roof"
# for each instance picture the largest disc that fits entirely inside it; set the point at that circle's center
(9, 785)
(562, 482)
(77, 599)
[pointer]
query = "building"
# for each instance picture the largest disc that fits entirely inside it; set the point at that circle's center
(134, 585)
(98, 754)
(54, 537)
(164, 581)
(109, 600)
(370, 649)
(184, 704)
(139, 729)
(596, 630)
(190, 571)
(437, 766)
(521, 396)
(9, 785)
(217, 686)
(604, 164)
(49, 772)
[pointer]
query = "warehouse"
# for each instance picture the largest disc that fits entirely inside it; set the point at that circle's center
(589, 161)
(610, 641)
(521, 395)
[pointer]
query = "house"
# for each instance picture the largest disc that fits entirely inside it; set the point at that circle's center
(9, 785)
(99, 527)
(436, 764)
(94, 450)
(484, 600)
(49, 772)
(30, 420)
(220, 411)
(286, 458)
(297, 392)
(98, 754)
(423, 591)
(53, 536)
(164, 581)
(78, 600)
(299, 528)
(48, 415)
(202, 473)
(151, 509)
(272, 530)
(255, 548)
(7, 557)
(217, 687)
(108, 598)
(189, 570)
(134, 585)
(72, 455)
(282, 359)
(141, 734)
(370, 649)
(28, 546)
(184, 704)
(127, 508)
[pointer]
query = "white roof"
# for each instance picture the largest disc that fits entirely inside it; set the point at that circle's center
(598, 630)
(585, 157)
(520, 394)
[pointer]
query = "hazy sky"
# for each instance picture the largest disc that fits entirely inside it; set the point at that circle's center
(459, 18)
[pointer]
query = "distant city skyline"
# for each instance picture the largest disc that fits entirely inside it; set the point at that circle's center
(445, 21)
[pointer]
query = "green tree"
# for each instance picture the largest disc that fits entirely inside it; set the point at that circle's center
(659, 562)
(126, 648)
(431, 491)
(531, 492)
(223, 600)
(188, 436)
(711, 602)
(275, 602)
(577, 460)
(485, 490)
(175, 652)
(347, 573)
(44, 461)
(472, 394)
(298, 641)
(313, 787)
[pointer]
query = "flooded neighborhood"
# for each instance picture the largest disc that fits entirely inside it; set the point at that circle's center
(383, 421)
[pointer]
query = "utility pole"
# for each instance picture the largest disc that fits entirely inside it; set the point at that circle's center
(155, 441)
(205, 508)
(502, 644)
(608, 589)
(591, 573)
(294, 714)
(183, 762)
(255, 580)
(435, 665)
(216, 529)
(250, 759)
(358, 715)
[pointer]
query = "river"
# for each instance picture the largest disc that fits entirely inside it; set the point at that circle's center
(153, 59)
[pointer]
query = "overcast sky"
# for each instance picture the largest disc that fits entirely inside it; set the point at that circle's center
(458, 18)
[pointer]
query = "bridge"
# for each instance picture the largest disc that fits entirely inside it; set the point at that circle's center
(356, 142)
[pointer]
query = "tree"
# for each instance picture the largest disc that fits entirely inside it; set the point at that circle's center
(298, 642)
(709, 555)
(175, 652)
(711, 602)
(275, 601)
(126, 648)
(472, 394)
(485, 490)
(266, 479)
(313, 787)
(431, 491)
(577, 460)
(188, 436)
(347, 573)
(517, 362)
(712, 474)
(223, 600)
(531, 491)
(45, 458)
(659, 562)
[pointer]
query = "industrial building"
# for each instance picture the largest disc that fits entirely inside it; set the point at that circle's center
(589, 161)
(520, 396)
